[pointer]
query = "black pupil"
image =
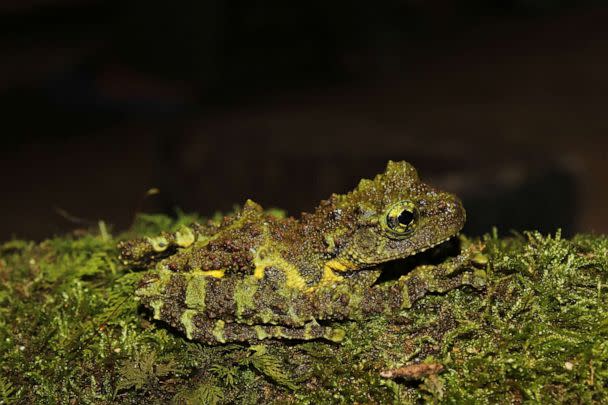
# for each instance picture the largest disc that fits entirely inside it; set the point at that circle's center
(406, 217)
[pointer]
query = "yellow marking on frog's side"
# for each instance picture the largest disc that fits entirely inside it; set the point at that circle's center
(293, 279)
(329, 272)
(340, 265)
(268, 255)
(258, 273)
(209, 273)
(329, 277)
(214, 273)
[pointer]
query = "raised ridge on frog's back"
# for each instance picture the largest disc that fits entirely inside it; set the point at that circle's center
(255, 275)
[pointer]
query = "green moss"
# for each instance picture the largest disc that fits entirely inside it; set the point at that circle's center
(70, 331)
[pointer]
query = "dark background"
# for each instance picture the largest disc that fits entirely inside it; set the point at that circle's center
(500, 101)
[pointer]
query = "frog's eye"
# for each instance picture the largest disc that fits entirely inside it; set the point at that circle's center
(400, 219)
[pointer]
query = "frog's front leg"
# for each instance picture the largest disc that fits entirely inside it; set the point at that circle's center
(391, 297)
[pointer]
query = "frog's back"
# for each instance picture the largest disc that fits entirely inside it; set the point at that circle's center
(225, 247)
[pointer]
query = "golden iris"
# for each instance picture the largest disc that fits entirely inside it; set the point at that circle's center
(400, 219)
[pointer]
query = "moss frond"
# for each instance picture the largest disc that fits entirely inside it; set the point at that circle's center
(143, 370)
(8, 391)
(269, 365)
(206, 393)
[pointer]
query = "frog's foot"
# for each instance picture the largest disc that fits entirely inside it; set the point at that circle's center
(210, 331)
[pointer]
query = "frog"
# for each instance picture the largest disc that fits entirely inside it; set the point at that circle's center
(255, 275)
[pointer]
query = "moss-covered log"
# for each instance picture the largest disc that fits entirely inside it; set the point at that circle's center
(71, 332)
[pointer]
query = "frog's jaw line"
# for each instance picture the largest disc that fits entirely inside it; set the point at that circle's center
(432, 246)
(399, 256)
(435, 245)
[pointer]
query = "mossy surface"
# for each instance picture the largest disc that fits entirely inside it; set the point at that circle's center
(71, 332)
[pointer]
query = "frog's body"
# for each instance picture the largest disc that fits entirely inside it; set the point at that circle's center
(256, 276)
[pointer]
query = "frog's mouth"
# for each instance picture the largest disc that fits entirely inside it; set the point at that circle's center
(433, 249)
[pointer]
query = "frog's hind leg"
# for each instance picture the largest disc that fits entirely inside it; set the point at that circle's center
(211, 331)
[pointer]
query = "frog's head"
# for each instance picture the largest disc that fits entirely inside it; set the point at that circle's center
(394, 216)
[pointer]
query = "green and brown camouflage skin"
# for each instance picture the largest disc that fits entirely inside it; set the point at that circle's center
(256, 276)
